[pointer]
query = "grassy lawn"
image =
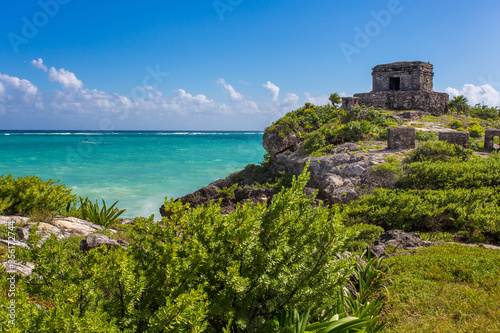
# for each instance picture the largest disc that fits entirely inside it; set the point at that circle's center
(448, 288)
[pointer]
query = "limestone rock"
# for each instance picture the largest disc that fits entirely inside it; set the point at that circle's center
(13, 219)
(95, 240)
(399, 238)
(44, 229)
(73, 226)
(257, 196)
(274, 144)
(18, 268)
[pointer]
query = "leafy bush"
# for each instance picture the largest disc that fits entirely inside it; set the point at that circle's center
(425, 136)
(455, 124)
(198, 271)
(475, 210)
(475, 130)
(362, 236)
(313, 141)
(437, 150)
(475, 173)
(31, 194)
(104, 216)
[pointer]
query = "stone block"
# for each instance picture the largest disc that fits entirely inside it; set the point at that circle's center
(455, 137)
(401, 138)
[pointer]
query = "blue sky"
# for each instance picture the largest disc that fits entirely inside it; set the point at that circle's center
(226, 64)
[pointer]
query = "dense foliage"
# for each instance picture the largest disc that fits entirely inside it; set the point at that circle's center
(197, 271)
(459, 104)
(322, 127)
(31, 195)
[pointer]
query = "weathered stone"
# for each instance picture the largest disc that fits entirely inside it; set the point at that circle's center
(401, 138)
(489, 134)
(44, 229)
(13, 220)
(257, 196)
(18, 268)
(13, 243)
(460, 138)
(275, 144)
(73, 226)
(349, 103)
(490, 247)
(127, 221)
(399, 238)
(353, 170)
(377, 251)
(403, 86)
(95, 240)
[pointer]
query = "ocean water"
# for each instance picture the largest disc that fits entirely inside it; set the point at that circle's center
(139, 169)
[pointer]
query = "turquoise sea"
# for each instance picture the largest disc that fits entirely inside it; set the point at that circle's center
(139, 169)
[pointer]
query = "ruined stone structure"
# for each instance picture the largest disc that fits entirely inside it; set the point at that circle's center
(402, 86)
(489, 134)
(460, 138)
(400, 138)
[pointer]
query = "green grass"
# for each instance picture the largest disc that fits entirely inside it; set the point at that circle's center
(448, 288)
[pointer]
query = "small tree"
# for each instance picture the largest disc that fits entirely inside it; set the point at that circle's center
(335, 99)
(459, 103)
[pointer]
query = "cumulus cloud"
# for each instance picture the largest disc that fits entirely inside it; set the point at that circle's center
(274, 89)
(233, 94)
(66, 78)
(18, 94)
(39, 64)
(318, 100)
(484, 94)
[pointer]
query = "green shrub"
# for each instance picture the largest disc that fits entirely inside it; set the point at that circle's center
(475, 130)
(474, 173)
(197, 271)
(362, 236)
(313, 141)
(474, 210)
(29, 195)
(455, 124)
(437, 150)
(425, 136)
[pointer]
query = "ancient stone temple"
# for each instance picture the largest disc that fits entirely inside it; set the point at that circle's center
(402, 86)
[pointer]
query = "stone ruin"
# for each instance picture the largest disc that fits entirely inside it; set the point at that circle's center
(402, 86)
(489, 134)
(401, 138)
(404, 137)
(460, 138)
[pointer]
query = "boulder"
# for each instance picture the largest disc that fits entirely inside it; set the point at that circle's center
(13, 220)
(275, 144)
(44, 229)
(95, 240)
(399, 238)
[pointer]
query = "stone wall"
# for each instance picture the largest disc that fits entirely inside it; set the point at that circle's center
(413, 76)
(348, 103)
(489, 134)
(432, 102)
(455, 137)
(401, 138)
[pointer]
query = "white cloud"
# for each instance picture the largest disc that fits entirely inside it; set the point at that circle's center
(274, 89)
(39, 64)
(318, 100)
(66, 78)
(233, 94)
(484, 94)
(18, 94)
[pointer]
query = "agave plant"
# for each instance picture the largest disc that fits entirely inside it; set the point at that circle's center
(104, 216)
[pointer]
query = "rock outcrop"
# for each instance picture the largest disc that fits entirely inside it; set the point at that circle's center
(340, 177)
(96, 240)
(275, 144)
